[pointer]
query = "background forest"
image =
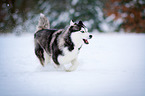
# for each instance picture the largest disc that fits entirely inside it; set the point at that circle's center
(98, 15)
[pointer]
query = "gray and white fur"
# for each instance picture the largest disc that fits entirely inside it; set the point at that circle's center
(62, 45)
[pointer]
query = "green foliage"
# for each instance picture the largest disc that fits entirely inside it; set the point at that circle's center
(25, 14)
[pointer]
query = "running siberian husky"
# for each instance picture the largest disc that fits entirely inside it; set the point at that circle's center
(61, 45)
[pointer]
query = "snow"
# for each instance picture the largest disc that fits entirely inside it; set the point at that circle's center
(111, 65)
(74, 2)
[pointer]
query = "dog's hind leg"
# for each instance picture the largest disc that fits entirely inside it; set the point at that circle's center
(74, 66)
(39, 53)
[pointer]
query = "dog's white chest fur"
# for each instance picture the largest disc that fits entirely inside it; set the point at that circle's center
(68, 56)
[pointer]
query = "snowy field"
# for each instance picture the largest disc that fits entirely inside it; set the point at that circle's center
(111, 65)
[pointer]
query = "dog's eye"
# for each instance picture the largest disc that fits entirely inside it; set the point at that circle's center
(82, 31)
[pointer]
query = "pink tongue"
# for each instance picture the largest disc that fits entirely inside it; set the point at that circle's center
(86, 41)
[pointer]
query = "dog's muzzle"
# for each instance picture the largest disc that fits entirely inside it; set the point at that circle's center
(86, 41)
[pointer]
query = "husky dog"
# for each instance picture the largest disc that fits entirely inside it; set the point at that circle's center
(62, 45)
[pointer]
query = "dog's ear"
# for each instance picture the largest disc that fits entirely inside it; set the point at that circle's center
(71, 23)
(80, 23)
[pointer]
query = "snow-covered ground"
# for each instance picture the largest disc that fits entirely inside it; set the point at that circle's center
(111, 65)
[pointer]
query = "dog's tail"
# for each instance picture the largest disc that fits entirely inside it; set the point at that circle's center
(43, 23)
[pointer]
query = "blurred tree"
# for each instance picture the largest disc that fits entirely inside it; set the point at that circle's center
(7, 8)
(22, 15)
(66, 10)
(132, 13)
(14, 13)
(86, 10)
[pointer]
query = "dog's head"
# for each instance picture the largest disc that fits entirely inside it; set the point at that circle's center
(79, 31)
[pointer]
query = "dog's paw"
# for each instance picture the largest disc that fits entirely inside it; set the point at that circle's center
(68, 70)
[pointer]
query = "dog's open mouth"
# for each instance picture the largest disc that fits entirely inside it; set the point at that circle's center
(85, 41)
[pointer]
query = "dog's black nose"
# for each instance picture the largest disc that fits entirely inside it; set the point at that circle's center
(90, 36)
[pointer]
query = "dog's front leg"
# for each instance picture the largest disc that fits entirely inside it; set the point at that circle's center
(74, 66)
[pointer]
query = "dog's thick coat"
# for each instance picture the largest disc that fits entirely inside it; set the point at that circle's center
(61, 45)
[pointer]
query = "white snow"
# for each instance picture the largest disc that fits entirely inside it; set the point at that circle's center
(74, 2)
(111, 65)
